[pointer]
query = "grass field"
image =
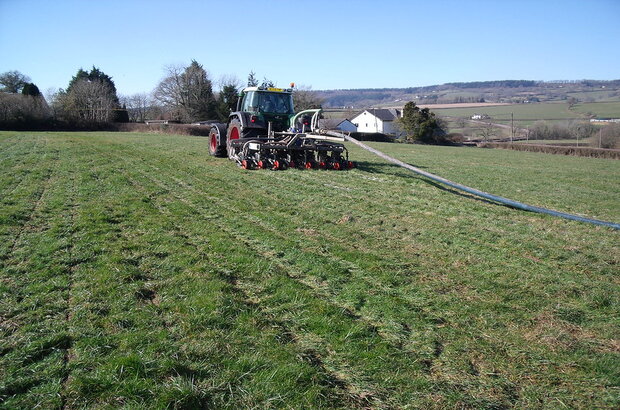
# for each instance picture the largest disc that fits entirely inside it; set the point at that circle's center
(601, 109)
(526, 115)
(521, 112)
(591, 142)
(137, 271)
(537, 111)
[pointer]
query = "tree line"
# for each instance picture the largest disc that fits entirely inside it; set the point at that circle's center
(185, 94)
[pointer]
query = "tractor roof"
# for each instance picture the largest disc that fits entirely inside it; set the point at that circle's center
(270, 89)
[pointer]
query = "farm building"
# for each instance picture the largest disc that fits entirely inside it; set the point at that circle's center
(380, 120)
(480, 117)
(161, 122)
(605, 120)
(338, 124)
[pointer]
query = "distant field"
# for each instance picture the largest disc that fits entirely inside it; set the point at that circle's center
(524, 114)
(601, 95)
(461, 105)
(600, 109)
(534, 111)
(572, 142)
(137, 271)
(537, 111)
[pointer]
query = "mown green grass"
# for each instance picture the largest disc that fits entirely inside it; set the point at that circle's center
(137, 271)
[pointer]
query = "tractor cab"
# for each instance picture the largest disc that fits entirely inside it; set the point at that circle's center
(268, 104)
(267, 100)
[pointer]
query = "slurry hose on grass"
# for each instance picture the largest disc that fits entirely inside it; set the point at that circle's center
(505, 201)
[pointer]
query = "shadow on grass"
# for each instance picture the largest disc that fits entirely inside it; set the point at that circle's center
(378, 167)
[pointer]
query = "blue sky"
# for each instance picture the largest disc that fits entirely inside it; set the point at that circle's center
(323, 44)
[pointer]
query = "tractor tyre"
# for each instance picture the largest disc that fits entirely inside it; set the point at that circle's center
(233, 133)
(217, 148)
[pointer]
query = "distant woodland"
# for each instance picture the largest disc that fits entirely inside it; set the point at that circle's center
(505, 91)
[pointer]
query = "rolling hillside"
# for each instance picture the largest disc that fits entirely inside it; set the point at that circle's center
(507, 91)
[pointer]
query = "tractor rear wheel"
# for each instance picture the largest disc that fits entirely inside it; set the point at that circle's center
(216, 147)
(233, 133)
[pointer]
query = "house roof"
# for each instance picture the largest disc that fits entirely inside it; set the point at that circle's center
(383, 114)
(332, 122)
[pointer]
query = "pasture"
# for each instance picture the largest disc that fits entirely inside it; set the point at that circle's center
(137, 271)
(527, 114)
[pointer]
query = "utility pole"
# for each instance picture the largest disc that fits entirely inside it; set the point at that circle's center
(600, 135)
(577, 137)
(527, 134)
(512, 126)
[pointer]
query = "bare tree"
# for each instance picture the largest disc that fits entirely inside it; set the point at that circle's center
(609, 136)
(229, 80)
(187, 92)
(137, 106)
(168, 91)
(13, 81)
(53, 98)
(487, 130)
(572, 101)
(22, 108)
(306, 99)
(89, 102)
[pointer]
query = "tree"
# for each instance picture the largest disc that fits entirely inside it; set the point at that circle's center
(168, 92)
(227, 101)
(609, 136)
(197, 92)
(252, 81)
(31, 89)
(572, 101)
(306, 99)
(421, 125)
(187, 92)
(580, 130)
(91, 98)
(89, 103)
(137, 106)
(540, 130)
(25, 109)
(267, 83)
(81, 75)
(13, 81)
(487, 131)
(95, 75)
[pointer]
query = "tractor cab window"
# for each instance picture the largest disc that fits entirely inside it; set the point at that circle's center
(277, 103)
(250, 101)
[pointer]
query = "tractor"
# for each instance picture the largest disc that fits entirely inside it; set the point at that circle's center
(266, 133)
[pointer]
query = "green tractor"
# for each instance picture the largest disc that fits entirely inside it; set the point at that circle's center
(265, 132)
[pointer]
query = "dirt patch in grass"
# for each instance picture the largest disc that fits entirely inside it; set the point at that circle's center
(557, 334)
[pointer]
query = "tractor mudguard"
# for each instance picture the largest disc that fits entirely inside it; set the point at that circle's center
(245, 120)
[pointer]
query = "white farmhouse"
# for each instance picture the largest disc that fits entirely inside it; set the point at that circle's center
(377, 120)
